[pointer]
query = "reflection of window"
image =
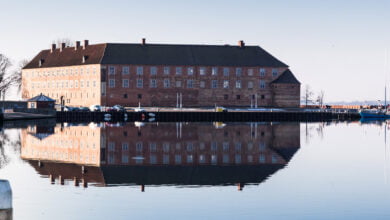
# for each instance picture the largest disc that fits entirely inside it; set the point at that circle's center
(202, 71)
(190, 71)
(274, 158)
(138, 146)
(214, 159)
(214, 146)
(226, 84)
(166, 70)
(165, 159)
(261, 146)
(166, 147)
(153, 159)
(153, 70)
(152, 147)
(225, 158)
(262, 158)
(214, 71)
(178, 159)
(202, 158)
(125, 159)
(237, 158)
(226, 71)
(225, 146)
(214, 84)
(190, 158)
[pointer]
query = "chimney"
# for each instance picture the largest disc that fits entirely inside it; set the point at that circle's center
(85, 44)
(62, 46)
(143, 41)
(77, 45)
(53, 47)
(241, 44)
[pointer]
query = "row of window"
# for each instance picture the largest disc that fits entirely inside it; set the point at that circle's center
(61, 72)
(64, 84)
(226, 71)
(189, 146)
(190, 83)
(201, 159)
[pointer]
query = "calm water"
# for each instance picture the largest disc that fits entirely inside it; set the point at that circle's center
(198, 170)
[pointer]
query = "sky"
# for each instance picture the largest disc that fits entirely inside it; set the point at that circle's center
(335, 46)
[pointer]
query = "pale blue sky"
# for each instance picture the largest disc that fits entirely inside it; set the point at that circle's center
(335, 46)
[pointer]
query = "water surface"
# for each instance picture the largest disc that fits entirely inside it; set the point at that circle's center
(198, 170)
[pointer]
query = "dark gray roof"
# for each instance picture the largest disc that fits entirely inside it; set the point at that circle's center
(157, 54)
(207, 55)
(41, 98)
(287, 77)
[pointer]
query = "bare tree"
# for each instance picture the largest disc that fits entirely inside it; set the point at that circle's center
(320, 98)
(16, 78)
(5, 63)
(68, 42)
(307, 96)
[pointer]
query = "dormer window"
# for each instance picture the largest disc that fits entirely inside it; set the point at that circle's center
(84, 59)
(41, 61)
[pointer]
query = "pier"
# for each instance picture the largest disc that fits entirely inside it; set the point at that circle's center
(203, 116)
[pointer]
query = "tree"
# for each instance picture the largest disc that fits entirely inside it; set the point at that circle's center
(16, 78)
(5, 63)
(320, 98)
(68, 42)
(307, 97)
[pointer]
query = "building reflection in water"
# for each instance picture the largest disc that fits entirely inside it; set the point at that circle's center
(185, 154)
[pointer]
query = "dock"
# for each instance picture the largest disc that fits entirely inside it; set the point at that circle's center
(204, 116)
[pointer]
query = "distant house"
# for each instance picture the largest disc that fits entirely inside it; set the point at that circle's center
(161, 75)
(41, 102)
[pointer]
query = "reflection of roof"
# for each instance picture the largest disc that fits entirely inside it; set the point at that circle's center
(41, 98)
(188, 175)
(68, 171)
(287, 77)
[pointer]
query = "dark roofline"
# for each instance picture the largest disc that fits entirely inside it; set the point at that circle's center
(287, 77)
(157, 54)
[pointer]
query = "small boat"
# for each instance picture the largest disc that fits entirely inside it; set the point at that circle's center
(374, 113)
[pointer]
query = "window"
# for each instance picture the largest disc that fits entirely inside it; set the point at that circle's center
(111, 83)
(139, 96)
(153, 83)
(166, 70)
(262, 72)
(82, 84)
(238, 97)
(214, 71)
(226, 84)
(190, 83)
(140, 70)
(214, 84)
(202, 84)
(226, 97)
(178, 84)
(190, 71)
(238, 71)
(262, 84)
(111, 70)
(153, 70)
(125, 83)
(76, 84)
(226, 71)
(125, 70)
(140, 83)
(202, 71)
(250, 85)
(167, 83)
(94, 83)
(125, 146)
(250, 72)
(274, 72)
(238, 84)
(262, 96)
(179, 70)
(125, 96)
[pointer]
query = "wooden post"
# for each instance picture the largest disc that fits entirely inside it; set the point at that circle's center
(142, 188)
(76, 181)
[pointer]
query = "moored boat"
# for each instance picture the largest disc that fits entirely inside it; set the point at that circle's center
(374, 113)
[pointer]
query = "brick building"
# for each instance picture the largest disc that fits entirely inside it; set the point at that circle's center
(161, 75)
